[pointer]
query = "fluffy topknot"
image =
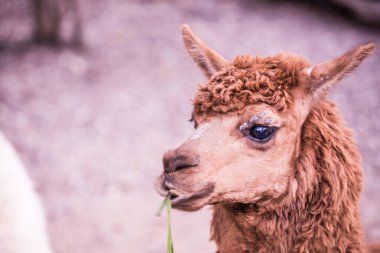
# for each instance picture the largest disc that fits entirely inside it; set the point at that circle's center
(250, 80)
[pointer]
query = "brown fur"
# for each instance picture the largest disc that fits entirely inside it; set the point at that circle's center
(297, 192)
(250, 80)
(322, 216)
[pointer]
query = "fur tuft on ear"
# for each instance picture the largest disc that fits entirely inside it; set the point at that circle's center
(324, 75)
(207, 59)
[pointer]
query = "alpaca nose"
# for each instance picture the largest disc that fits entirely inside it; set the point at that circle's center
(175, 161)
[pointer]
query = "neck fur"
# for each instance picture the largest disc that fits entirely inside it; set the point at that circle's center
(321, 215)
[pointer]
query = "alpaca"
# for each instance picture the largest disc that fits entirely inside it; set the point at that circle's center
(22, 220)
(270, 153)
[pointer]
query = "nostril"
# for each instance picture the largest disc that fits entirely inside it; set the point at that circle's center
(184, 166)
(184, 161)
(173, 161)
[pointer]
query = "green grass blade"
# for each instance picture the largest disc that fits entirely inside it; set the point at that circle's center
(170, 248)
(168, 204)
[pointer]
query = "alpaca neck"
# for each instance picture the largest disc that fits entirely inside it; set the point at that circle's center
(246, 231)
(323, 215)
(239, 228)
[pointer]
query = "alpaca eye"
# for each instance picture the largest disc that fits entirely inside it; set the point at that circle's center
(261, 133)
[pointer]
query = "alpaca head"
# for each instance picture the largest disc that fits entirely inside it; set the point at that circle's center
(248, 119)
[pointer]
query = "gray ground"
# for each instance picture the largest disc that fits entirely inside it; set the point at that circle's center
(92, 127)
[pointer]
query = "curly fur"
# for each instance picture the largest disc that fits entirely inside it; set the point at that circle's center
(250, 80)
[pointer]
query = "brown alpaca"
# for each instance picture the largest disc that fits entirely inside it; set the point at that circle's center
(270, 153)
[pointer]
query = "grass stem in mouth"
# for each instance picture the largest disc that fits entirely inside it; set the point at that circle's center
(170, 248)
(167, 202)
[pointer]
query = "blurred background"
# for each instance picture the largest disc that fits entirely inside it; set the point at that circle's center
(93, 92)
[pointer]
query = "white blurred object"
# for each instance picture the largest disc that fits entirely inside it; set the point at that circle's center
(22, 219)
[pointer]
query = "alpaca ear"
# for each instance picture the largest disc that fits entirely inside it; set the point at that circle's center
(324, 75)
(207, 59)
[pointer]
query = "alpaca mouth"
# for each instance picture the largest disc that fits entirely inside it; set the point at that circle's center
(184, 200)
(175, 194)
(190, 201)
